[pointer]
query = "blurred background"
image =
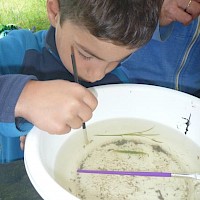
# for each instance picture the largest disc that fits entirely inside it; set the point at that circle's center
(29, 14)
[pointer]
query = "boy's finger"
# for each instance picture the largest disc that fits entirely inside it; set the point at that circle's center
(90, 100)
(22, 142)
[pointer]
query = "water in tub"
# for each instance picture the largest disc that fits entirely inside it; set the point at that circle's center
(129, 145)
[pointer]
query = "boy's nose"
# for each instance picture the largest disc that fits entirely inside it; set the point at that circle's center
(95, 75)
(98, 72)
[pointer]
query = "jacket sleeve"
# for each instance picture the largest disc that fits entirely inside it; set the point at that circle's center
(12, 82)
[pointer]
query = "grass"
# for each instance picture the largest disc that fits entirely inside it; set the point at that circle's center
(24, 13)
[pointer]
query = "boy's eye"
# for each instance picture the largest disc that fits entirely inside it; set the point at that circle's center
(84, 57)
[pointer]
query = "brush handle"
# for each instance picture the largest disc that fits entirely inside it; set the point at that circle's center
(129, 173)
(194, 176)
(85, 133)
(77, 81)
(74, 68)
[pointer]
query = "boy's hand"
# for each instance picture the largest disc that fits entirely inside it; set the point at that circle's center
(175, 10)
(22, 142)
(55, 106)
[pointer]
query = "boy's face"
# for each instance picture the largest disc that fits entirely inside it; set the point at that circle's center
(94, 58)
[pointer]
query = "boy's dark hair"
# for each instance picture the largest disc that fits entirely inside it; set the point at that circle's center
(122, 22)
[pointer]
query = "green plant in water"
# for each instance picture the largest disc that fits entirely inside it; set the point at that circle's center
(130, 152)
(139, 134)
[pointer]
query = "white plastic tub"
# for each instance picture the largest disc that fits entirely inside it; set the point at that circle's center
(168, 107)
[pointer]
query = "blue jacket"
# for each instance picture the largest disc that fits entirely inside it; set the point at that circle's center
(172, 63)
(27, 56)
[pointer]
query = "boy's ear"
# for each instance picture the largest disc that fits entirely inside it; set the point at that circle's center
(53, 11)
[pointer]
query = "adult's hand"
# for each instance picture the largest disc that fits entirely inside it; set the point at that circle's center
(183, 11)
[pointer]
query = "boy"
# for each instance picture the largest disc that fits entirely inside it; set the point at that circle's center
(36, 82)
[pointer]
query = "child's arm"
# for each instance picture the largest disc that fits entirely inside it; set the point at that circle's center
(54, 106)
(12, 51)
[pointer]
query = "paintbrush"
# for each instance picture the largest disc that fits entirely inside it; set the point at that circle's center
(149, 174)
(77, 81)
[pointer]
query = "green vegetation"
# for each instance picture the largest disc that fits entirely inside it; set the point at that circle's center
(24, 13)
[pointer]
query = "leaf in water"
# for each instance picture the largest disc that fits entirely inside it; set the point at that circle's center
(155, 140)
(108, 135)
(130, 152)
(140, 134)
